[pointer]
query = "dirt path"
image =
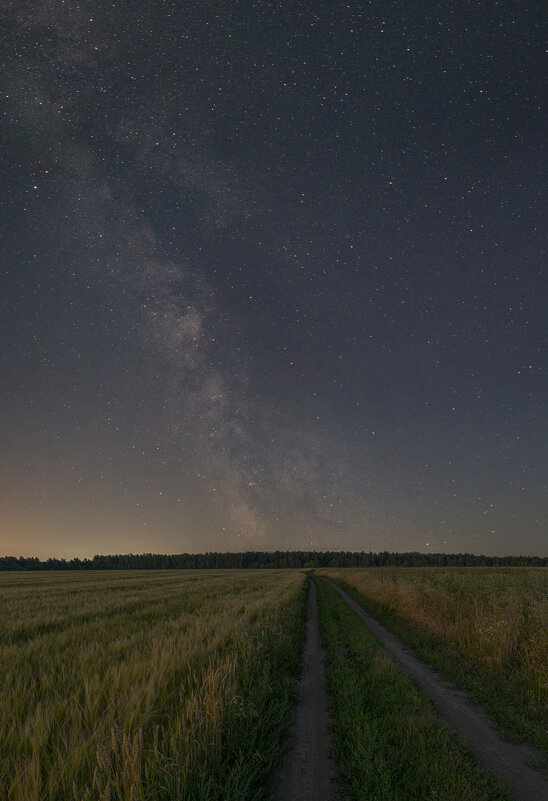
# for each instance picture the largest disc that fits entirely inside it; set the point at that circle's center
(506, 760)
(306, 774)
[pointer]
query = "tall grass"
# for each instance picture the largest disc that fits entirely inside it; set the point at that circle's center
(488, 627)
(388, 743)
(138, 686)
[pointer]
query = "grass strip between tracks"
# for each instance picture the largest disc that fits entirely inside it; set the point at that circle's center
(388, 744)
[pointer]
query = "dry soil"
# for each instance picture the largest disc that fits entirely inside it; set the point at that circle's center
(306, 774)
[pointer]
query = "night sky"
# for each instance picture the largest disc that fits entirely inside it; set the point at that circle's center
(272, 276)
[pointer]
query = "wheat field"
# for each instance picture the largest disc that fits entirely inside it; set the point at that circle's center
(137, 685)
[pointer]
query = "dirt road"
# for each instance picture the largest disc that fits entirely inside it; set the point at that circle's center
(506, 760)
(306, 774)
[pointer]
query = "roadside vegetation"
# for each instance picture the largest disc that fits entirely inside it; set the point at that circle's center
(135, 686)
(484, 628)
(388, 743)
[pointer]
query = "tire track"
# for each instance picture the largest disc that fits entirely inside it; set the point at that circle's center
(307, 772)
(471, 723)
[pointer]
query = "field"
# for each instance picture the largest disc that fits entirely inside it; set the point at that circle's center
(487, 628)
(138, 685)
(179, 685)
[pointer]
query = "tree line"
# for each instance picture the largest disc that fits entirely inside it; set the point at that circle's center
(269, 559)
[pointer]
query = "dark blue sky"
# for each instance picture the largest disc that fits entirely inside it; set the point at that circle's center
(273, 276)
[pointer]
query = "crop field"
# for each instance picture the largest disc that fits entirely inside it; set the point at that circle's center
(178, 685)
(139, 685)
(487, 628)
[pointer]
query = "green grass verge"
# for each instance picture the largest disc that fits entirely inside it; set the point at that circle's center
(504, 700)
(387, 742)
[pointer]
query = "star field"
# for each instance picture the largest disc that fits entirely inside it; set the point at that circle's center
(273, 276)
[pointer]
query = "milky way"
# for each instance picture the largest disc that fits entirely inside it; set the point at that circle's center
(272, 278)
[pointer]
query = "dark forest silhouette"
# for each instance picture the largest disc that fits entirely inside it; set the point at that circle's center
(269, 559)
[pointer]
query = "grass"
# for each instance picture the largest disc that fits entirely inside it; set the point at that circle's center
(484, 628)
(135, 686)
(388, 743)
